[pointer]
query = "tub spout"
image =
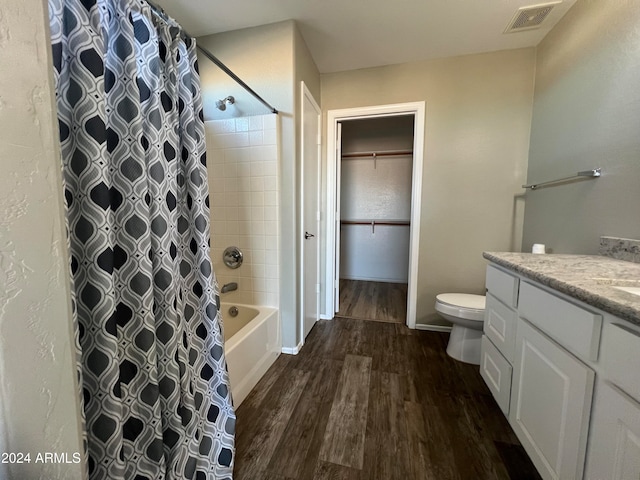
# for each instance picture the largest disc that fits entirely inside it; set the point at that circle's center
(229, 287)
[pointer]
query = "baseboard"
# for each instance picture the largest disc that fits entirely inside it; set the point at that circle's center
(326, 317)
(292, 351)
(432, 328)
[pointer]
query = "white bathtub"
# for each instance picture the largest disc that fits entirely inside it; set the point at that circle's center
(252, 344)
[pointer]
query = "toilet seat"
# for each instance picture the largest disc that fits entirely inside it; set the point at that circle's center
(462, 305)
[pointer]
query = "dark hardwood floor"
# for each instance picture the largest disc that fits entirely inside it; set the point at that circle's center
(379, 301)
(368, 401)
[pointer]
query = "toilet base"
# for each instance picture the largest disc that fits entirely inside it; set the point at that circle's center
(464, 344)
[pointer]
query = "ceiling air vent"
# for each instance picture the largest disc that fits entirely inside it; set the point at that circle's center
(528, 18)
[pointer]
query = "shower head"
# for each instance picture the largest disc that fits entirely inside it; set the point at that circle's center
(222, 104)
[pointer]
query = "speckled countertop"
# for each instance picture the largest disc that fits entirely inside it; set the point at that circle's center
(589, 278)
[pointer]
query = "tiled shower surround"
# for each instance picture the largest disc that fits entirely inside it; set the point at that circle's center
(242, 158)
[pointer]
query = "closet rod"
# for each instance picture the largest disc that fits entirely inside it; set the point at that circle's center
(377, 154)
(159, 11)
(376, 222)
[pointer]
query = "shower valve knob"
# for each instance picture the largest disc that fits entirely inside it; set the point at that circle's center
(308, 235)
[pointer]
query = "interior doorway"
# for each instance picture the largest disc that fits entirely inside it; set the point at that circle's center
(376, 167)
(374, 163)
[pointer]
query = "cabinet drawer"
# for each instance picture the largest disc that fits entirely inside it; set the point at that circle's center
(502, 286)
(500, 326)
(496, 372)
(620, 356)
(576, 329)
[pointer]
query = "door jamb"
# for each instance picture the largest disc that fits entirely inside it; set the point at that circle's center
(335, 116)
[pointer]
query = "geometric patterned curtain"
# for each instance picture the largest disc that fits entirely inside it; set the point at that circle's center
(155, 387)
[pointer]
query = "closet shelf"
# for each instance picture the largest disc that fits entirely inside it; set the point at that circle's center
(388, 153)
(374, 223)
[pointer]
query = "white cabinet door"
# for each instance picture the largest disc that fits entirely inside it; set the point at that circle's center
(550, 404)
(614, 439)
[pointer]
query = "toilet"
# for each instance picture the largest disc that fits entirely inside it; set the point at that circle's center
(466, 312)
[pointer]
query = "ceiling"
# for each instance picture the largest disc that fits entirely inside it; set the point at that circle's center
(352, 34)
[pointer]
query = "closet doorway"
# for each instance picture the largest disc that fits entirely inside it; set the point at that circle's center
(377, 173)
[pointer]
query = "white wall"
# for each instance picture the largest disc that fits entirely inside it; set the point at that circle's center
(586, 114)
(478, 121)
(39, 409)
(242, 159)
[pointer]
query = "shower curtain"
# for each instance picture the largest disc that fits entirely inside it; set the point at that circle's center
(152, 370)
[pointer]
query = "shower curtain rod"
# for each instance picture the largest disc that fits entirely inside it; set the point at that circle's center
(158, 10)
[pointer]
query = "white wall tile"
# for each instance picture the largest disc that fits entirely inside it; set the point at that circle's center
(230, 170)
(256, 123)
(257, 169)
(270, 199)
(270, 121)
(256, 138)
(244, 194)
(257, 213)
(270, 137)
(270, 183)
(257, 184)
(242, 124)
(215, 156)
(271, 228)
(244, 213)
(270, 213)
(233, 140)
(230, 184)
(257, 199)
(271, 242)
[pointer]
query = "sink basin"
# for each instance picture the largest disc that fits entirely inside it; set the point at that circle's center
(631, 290)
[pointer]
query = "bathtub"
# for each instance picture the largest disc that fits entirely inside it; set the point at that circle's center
(252, 344)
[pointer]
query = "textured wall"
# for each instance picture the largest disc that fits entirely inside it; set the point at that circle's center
(586, 114)
(478, 113)
(39, 407)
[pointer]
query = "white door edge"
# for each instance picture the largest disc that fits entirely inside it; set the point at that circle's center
(305, 94)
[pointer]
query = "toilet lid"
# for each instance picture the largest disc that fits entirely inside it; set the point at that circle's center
(461, 305)
(463, 300)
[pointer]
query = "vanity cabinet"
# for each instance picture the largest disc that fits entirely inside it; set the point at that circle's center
(550, 403)
(614, 446)
(567, 377)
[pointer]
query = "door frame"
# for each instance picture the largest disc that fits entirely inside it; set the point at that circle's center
(305, 94)
(417, 109)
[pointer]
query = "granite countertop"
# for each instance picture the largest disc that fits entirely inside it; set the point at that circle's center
(589, 278)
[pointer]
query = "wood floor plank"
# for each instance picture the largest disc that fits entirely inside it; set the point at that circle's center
(345, 433)
(418, 441)
(331, 471)
(386, 454)
(261, 438)
(306, 427)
